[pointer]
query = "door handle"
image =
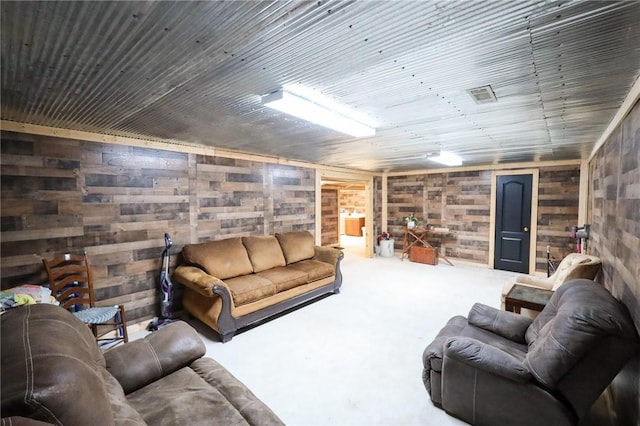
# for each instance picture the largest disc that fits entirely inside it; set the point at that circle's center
(526, 229)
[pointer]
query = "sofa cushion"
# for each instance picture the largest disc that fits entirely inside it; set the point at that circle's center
(123, 412)
(296, 245)
(264, 252)
(314, 269)
(143, 361)
(284, 277)
(223, 259)
(254, 411)
(184, 398)
(249, 288)
(41, 361)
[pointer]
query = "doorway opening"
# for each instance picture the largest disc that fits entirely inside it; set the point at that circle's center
(346, 215)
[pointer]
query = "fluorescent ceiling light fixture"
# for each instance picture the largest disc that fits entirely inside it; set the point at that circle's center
(447, 158)
(311, 106)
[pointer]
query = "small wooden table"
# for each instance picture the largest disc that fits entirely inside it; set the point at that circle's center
(522, 296)
(413, 236)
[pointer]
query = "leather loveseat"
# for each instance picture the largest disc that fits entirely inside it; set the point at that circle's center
(499, 368)
(235, 282)
(54, 372)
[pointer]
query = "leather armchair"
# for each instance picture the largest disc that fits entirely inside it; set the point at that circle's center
(497, 367)
(573, 266)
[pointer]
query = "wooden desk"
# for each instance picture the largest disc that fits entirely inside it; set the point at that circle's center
(419, 236)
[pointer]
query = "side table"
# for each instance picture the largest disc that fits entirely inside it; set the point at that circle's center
(522, 296)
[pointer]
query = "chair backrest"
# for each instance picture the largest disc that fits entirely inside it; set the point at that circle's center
(71, 280)
(579, 342)
(574, 266)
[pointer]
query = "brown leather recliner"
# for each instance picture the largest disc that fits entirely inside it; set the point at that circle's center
(53, 372)
(497, 367)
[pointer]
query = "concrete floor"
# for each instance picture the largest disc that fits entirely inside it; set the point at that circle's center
(356, 358)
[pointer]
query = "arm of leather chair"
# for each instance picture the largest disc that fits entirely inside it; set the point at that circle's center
(197, 279)
(485, 357)
(533, 281)
(140, 362)
(506, 324)
(482, 384)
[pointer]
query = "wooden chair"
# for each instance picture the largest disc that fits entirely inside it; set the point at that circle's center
(71, 282)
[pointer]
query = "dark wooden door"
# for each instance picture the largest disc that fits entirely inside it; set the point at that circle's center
(513, 223)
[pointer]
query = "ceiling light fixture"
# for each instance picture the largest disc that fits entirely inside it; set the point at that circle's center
(447, 158)
(311, 106)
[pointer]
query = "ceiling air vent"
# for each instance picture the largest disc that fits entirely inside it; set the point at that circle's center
(482, 95)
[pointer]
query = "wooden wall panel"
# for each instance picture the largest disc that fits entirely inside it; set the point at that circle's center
(377, 206)
(293, 195)
(405, 195)
(614, 214)
(466, 212)
(352, 201)
(558, 198)
(330, 217)
(116, 202)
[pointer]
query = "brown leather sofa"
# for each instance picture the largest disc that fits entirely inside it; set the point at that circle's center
(235, 282)
(53, 372)
(497, 367)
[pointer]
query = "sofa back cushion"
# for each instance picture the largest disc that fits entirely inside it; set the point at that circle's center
(296, 245)
(264, 252)
(52, 369)
(223, 258)
(577, 321)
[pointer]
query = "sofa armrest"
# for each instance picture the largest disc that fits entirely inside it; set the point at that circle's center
(533, 281)
(327, 254)
(477, 354)
(140, 362)
(197, 279)
(506, 324)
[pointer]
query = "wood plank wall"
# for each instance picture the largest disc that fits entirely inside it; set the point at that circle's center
(461, 201)
(614, 214)
(352, 200)
(377, 206)
(116, 202)
(558, 199)
(330, 217)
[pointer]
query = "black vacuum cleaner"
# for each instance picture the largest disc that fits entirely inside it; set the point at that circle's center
(166, 286)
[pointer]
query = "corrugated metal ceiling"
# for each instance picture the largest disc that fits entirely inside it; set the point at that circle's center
(195, 71)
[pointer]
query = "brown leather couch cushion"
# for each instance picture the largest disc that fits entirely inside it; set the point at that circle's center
(223, 259)
(51, 350)
(249, 288)
(284, 277)
(264, 252)
(315, 270)
(143, 361)
(297, 245)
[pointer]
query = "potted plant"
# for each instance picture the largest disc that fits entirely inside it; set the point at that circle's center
(385, 244)
(411, 221)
